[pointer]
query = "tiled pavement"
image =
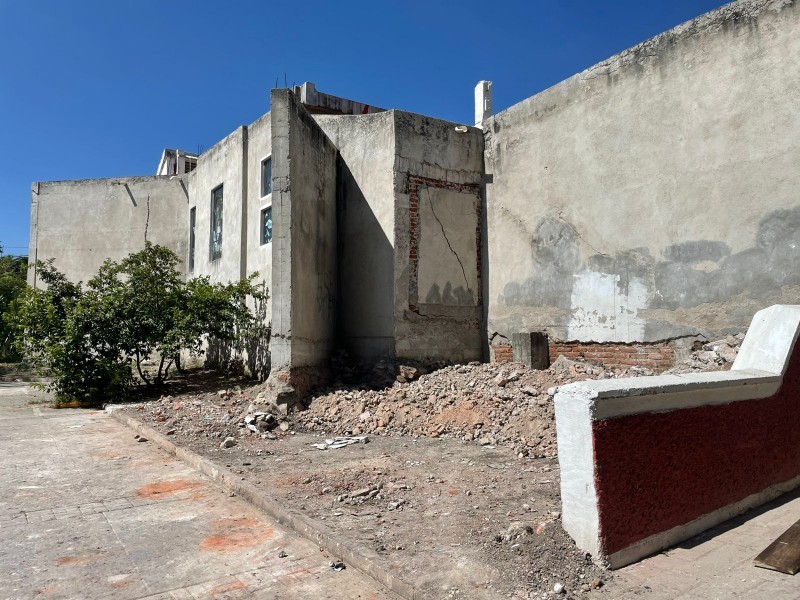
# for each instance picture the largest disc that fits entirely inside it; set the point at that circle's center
(87, 512)
(718, 564)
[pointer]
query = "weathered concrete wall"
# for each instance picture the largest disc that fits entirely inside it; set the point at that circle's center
(259, 256)
(365, 216)
(437, 287)
(222, 164)
(304, 242)
(654, 195)
(82, 223)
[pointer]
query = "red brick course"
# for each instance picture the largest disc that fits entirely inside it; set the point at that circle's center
(658, 356)
(502, 353)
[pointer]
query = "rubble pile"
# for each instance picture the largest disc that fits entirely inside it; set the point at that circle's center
(711, 356)
(490, 404)
(226, 415)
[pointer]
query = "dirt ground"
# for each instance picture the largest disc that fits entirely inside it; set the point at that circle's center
(455, 519)
(456, 490)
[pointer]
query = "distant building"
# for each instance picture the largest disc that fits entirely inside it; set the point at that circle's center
(176, 162)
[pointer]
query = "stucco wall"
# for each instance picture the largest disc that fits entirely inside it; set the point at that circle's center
(222, 164)
(304, 242)
(82, 223)
(439, 172)
(365, 217)
(656, 194)
(259, 256)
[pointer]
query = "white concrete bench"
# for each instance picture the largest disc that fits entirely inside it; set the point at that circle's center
(648, 462)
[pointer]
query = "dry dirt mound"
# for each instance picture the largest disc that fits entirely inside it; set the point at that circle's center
(488, 403)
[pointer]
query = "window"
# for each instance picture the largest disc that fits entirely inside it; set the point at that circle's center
(192, 217)
(216, 223)
(266, 225)
(266, 177)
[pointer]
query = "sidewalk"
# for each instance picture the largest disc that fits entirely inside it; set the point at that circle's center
(718, 564)
(88, 512)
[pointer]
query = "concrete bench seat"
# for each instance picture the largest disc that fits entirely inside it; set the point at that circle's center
(648, 462)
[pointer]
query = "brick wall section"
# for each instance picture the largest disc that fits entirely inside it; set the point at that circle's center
(502, 353)
(656, 356)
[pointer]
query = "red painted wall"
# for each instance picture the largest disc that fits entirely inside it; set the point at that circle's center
(657, 471)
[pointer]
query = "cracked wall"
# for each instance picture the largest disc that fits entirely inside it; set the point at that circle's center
(438, 298)
(448, 248)
(82, 223)
(654, 195)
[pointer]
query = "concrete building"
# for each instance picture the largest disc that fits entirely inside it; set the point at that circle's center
(649, 199)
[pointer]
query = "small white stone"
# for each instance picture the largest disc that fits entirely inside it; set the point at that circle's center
(558, 588)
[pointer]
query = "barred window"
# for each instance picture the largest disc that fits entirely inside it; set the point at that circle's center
(216, 223)
(192, 221)
(266, 177)
(266, 225)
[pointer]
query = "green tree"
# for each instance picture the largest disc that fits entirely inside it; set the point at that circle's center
(131, 312)
(13, 273)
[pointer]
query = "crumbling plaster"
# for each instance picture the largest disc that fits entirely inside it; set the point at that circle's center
(655, 194)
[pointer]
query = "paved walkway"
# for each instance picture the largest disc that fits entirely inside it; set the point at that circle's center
(88, 512)
(718, 564)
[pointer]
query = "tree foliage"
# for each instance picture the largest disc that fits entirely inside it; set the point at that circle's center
(133, 312)
(13, 273)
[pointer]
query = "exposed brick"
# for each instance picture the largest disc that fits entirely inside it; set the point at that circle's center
(502, 353)
(656, 356)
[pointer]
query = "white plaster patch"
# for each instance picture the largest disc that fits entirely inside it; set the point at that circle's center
(602, 313)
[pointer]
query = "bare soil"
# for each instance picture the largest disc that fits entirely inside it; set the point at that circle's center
(457, 489)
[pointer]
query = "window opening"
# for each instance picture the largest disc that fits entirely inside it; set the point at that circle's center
(192, 217)
(216, 223)
(266, 176)
(266, 225)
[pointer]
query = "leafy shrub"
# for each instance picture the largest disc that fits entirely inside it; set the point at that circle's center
(13, 271)
(131, 312)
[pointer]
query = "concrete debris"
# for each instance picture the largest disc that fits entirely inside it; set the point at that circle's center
(491, 404)
(711, 356)
(341, 442)
(338, 565)
(229, 442)
(496, 404)
(558, 588)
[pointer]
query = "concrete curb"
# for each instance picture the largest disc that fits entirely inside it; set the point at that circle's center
(310, 529)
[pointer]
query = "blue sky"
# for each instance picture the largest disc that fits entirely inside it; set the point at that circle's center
(92, 88)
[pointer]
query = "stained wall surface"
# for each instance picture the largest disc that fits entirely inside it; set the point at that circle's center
(84, 222)
(654, 195)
